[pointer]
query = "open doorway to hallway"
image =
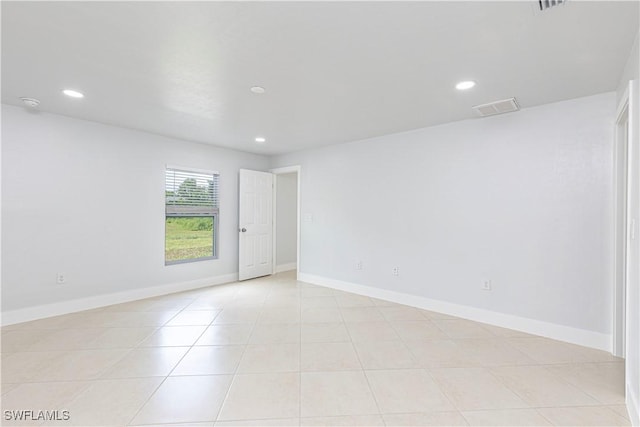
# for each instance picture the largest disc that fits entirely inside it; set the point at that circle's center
(286, 248)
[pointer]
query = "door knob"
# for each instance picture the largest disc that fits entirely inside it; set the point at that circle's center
(244, 230)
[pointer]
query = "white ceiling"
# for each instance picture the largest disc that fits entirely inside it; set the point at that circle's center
(333, 71)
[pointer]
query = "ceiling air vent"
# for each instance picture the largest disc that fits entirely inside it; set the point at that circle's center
(546, 4)
(497, 107)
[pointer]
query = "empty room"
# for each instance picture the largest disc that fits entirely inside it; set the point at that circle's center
(312, 213)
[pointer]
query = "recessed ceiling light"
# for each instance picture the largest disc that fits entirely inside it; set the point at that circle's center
(257, 89)
(260, 139)
(467, 84)
(73, 93)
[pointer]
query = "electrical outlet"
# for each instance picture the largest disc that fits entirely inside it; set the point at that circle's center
(395, 271)
(486, 285)
(359, 265)
(61, 278)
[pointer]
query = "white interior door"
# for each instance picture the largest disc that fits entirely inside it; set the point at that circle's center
(255, 224)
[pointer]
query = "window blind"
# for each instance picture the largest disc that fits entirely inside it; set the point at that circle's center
(191, 192)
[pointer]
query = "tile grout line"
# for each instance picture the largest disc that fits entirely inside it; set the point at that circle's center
(235, 371)
(364, 372)
(172, 369)
(441, 390)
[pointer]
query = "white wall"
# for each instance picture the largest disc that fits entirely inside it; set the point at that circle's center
(522, 199)
(286, 214)
(630, 70)
(633, 296)
(87, 200)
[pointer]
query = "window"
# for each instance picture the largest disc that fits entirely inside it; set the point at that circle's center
(191, 215)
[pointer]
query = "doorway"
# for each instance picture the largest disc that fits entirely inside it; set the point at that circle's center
(624, 229)
(286, 219)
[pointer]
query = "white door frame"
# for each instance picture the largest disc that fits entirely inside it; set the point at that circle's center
(282, 171)
(622, 225)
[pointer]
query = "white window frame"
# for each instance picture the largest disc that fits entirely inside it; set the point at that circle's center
(214, 213)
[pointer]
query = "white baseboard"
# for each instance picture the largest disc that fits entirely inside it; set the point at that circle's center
(633, 407)
(88, 303)
(536, 327)
(286, 267)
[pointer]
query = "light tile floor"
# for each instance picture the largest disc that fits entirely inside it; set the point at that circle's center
(274, 351)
